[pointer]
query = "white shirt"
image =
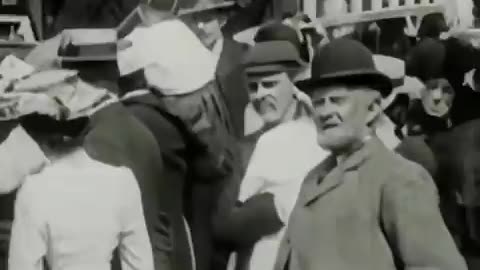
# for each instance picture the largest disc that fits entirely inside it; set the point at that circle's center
(281, 160)
(75, 213)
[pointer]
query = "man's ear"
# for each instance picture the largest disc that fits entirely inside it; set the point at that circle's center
(374, 109)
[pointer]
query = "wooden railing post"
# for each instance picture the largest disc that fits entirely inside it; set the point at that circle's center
(357, 6)
(376, 4)
(410, 2)
(393, 3)
(310, 8)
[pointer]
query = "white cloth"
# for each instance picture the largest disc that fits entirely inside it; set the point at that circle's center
(19, 157)
(281, 160)
(75, 213)
(217, 50)
(385, 131)
(174, 59)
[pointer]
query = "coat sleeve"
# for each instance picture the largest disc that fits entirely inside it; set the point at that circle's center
(135, 247)
(28, 242)
(413, 224)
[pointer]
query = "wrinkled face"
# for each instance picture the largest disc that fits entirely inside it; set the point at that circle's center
(342, 115)
(437, 98)
(271, 96)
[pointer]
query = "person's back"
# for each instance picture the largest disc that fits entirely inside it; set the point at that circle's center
(75, 213)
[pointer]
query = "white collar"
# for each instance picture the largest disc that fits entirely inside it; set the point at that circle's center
(385, 130)
(217, 50)
(135, 93)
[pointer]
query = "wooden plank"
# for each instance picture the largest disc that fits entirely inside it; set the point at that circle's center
(393, 3)
(376, 5)
(409, 2)
(369, 16)
(357, 6)
(310, 8)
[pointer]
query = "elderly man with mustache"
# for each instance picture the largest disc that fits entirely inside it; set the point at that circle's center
(364, 207)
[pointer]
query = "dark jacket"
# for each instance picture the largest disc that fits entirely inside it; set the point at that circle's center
(117, 138)
(198, 152)
(461, 57)
(174, 152)
(232, 83)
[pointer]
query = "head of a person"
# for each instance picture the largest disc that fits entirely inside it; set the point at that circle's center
(346, 91)
(270, 68)
(207, 19)
(432, 26)
(437, 97)
(56, 138)
(426, 61)
(54, 107)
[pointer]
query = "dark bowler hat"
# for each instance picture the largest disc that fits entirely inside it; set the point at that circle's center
(271, 57)
(345, 61)
(279, 31)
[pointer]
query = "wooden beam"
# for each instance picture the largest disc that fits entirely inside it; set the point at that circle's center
(369, 16)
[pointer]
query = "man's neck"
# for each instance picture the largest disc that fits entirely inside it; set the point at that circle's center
(342, 154)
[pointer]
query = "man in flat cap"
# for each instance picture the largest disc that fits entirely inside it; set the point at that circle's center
(288, 131)
(364, 207)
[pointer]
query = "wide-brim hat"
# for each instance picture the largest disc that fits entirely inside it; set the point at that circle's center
(58, 94)
(271, 57)
(345, 61)
(88, 45)
(205, 6)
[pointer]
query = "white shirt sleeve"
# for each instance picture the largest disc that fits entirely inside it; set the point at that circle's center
(255, 174)
(135, 248)
(19, 156)
(28, 242)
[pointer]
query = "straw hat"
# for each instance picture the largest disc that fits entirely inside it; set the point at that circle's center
(60, 94)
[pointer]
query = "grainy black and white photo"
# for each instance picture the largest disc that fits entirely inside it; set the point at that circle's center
(239, 134)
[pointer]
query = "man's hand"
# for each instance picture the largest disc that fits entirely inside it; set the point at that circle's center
(249, 222)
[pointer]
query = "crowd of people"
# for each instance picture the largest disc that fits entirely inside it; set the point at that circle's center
(172, 143)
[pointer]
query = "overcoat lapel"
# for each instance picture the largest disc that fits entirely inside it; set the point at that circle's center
(328, 175)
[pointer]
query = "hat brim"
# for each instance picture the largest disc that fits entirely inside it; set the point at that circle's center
(106, 58)
(265, 69)
(205, 9)
(368, 77)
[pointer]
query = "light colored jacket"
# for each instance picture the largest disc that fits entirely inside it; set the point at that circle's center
(372, 208)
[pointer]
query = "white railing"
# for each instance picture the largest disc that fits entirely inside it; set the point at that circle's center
(371, 10)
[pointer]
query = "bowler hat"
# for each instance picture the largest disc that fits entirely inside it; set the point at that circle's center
(280, 31)
(345, 61)
(272, 56)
